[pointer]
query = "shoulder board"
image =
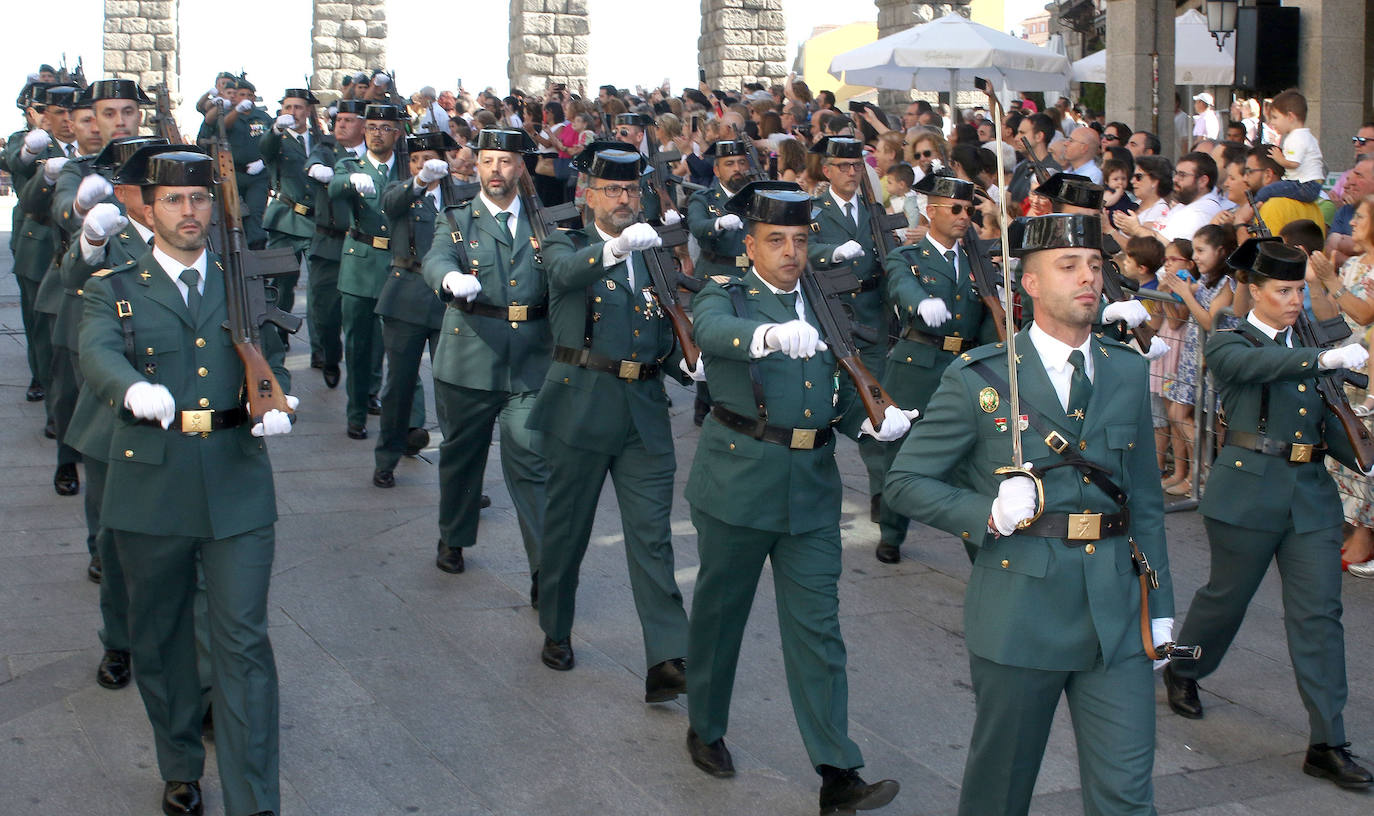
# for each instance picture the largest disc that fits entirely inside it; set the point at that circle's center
(987, 351)
(101, 273)
(1112, 341)
(726, 280)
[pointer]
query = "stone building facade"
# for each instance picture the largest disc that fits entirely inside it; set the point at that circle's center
(742, 41)
(346, 36)
(548, 43)
(138, 36)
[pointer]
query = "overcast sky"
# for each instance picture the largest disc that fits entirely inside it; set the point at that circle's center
(429, 43)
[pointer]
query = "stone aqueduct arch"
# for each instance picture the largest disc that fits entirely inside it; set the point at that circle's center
(741, 40)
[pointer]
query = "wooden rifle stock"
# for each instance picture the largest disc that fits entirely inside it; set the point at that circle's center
(837, 330)
(981, 266)
(664, 277)
(1111, 287)
(874, 398)
(164, 123)
(1331, 388)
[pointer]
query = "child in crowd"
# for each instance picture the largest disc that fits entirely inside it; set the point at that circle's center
(1300, 155)
(898, 180)
(1179, 274)
(1144, 254)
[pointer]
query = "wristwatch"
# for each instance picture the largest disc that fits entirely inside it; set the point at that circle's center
(1340, 292)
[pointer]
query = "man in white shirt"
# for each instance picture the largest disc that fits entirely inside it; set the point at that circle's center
(1194, 178)
(1206, 124)
(1081, 151)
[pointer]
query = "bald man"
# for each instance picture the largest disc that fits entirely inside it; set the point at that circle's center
(1081, 152)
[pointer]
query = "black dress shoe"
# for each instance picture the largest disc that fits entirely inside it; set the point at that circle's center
(357, 431)
(714, 759)
(1182, 694)
(316, 361)
(557, 654)
(181, 798)
(383, 478)
(331, 375)
(843, 791)
(666, 681)
(113, 671)
(889, 553)
(875, 505)
(1335, 762)
(374, 405)
(65, 481)
(449, 559)
(485, 502)
(95, 570)
(417, 439)
(534, 589)
(50, 429)
(35, 392)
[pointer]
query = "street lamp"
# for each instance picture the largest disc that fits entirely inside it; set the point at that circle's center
(1221, 19)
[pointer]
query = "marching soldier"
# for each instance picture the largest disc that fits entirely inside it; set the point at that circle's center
(411, 314)
(764, 485)
(244, 126)
(494, 349)
(1270, 499)
(720, 234)
(172, 303)
(843, 239)
(633, 129)
(931, 288)
(602, 411)
(288, 217)
(322, 308)
(1054, 607)
(359, 181)
(33, 120)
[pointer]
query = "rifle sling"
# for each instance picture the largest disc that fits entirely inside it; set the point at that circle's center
(741, 307)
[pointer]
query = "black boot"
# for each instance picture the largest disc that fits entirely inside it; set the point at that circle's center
(665, 681)
(1336, 763)
(1182, 694)
(843, 791)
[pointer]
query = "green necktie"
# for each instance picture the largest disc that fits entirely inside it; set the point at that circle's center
(1080, 387)
(789, 299)
(191, 278)
(502, 262)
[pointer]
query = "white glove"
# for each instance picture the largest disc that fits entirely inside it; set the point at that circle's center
(1131, 311)
(433, 170)
(35, 141)
(254, 167)
(52, 167)
(636, 236)
(285, 122)
(363, 183)
(93, 190)
(381, 80)
(729, 222)
(320, 173)
(102, 221)
(148, 401)
(1351, 356)
(934, 312)
(462, 285)
(1014, 504)
(1161, 632)
(847, 251)
(697, 374)
(244, 106)
(795, 338)
(222, 103)
(896, 423)
(1158, 348)
(671, 217)
(274, 423)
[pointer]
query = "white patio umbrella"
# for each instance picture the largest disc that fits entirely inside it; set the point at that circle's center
(949, 53)
(1196, 58)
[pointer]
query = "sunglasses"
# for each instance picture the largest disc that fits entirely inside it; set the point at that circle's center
(1360, 140)
(955, 209)
(925, 154)
(1110, 137)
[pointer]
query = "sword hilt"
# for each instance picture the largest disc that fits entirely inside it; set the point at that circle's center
(1014, 470)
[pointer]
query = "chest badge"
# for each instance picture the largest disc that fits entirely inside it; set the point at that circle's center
(1000, 423)
(610, 284)
(1022, 423)
(472, 244)
(989, 400)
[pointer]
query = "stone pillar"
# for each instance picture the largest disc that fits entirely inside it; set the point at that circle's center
(347, 36)
(138, 36)
(1135, 29)
(1331, 53)
(899, 15)
(548, 42)
(742, 41)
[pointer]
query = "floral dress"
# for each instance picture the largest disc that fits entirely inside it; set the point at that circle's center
(1356, 489)
(1181, 387)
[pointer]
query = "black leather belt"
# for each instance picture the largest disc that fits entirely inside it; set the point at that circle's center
(1295, 453)
(794, 438)
(737, 261)
(1077, 529)
(954, 345)
(871, 284)
(629, 370)
(204, 420)
(295, 206)
(515, 314)
(371, 240)
(329, 233)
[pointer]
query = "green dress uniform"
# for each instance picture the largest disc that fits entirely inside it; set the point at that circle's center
(172, 496)
(34, 245)
(722, 251)
(411, 316)
(362, 271)
(288, 219)
(244, 136)
(322, 307)
(597, 421)
(489, 365)
(1047, 616)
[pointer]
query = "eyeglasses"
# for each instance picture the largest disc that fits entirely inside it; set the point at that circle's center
(847, 167)
(1110, 137)
(378, 129)
(1183, 174)
(954, 209)
(618, 190)
(1360, 140)
(623, 133)
(199, 201)
(1139, 176)
(1248, 170)
(924, 154)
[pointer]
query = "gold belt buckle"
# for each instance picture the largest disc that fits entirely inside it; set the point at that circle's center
(123, 309)
(1085, 526)
(803, 439)
(629, 370)
(1300, 453)
(301, 209)
(742, 261)
(1057, 442)
(954, 344)
(518, 313)
(196, 421)
(381, 243)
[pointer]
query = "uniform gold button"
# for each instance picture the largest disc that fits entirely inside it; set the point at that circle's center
(1302, 412)
(958, 297)
(565, 379)
(806, 413)
(1082, 445)
(455, 329)
(1302, 387)
(964, 534)
(634, 355)
(732, 446)
(636, 332)
(958, 317)
(1304, 363)
(808, 383)
(148, 351)
(736, 342)
(204, 402)
(128, 454)
(200, 342)
(512, 283)
(1086, 480)
(637, 308)
(514, 325)
(1090, 549)
(908, 359)
(202, 371)
(598, 298)
(1237, 463)
(1005, 563)
(81, 291)
(1297, 434)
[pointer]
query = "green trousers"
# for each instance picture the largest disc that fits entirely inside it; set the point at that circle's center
(64, 384)
(362, 331)
(1113, 714)
(286, 284)
(466, 419)
(160, 572)
(39, 347)
(403, 396)
(1310, 566)
(114, 595)
(323, 311)
(806, 573)
(644, 490)
(872, 452)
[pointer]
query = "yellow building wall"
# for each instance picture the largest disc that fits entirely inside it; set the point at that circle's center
(990, 13)
(818, 51)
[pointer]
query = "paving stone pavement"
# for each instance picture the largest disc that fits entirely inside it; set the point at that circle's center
(405, 690)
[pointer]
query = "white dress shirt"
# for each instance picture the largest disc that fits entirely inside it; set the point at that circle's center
(174, 268)
(852, 203)
(513, 209)
(1269, 331)
(1054, 354)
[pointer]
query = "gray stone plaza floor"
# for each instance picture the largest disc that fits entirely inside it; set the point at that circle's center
(405, 690)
